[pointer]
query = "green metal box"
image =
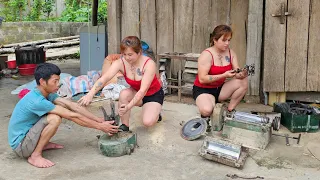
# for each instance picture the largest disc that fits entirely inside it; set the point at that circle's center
(250, 135)
(297, 122)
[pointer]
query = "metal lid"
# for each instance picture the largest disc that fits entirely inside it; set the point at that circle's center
(193, 129)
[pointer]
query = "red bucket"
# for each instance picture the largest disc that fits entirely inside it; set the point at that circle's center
(12, 64)
(27, 69)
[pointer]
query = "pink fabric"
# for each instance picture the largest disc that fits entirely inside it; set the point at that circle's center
(23, 92)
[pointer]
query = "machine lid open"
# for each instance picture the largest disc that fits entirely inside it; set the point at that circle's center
(194, 128)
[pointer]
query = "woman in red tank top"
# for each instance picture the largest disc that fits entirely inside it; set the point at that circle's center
(140, 73)
(215, 65)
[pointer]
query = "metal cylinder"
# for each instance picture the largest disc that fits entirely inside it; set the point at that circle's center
(223, 150)
(248, 117)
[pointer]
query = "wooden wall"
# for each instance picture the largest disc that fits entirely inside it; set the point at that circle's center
(177, 25)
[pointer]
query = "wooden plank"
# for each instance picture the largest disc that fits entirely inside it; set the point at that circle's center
(130, 25)
(183, 19)
(313, 74)
(191, 64)
(164, 26)
(274, 49)
(164, 22)
(313, 97)
(276, 97)
(114, 20)
(220, 12)
(297, 46)
(148, 23)
(201, 25)
(254, 43)
(239, 19)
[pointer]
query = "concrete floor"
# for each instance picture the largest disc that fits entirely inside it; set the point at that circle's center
(162, 153)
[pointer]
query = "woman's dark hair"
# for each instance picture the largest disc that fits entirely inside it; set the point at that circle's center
(221, 30)
(45, 71)
(132, 42)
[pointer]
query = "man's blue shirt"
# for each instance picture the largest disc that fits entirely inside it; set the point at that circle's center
(27, 112)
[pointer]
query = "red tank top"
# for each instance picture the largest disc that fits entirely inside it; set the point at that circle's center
(154, 86)
(215, 70)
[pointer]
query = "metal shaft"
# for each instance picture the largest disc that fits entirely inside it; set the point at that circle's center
(248, 117)
(223, 150)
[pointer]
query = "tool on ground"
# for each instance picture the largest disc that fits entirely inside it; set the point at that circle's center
(223, 151)
(235, 176)
(287, 138)
(194, 129)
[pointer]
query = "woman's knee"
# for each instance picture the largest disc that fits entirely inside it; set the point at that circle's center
(54, 119)
(125, 95)
(206, 110)
(244, 83)
(148, 122)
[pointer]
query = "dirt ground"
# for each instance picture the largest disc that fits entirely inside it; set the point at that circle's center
(162, 153)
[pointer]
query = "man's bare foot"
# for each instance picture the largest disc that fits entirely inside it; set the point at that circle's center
(39, 161)
(51, 145)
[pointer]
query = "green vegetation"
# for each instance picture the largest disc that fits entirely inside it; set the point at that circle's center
(42, 10)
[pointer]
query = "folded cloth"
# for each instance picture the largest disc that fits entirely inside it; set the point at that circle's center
(112, 91)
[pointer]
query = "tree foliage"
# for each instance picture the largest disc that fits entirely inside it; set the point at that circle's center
(41, 10)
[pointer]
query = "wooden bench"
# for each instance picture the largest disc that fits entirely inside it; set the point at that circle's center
(181, 57)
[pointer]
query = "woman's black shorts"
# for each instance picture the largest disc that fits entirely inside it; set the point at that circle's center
(156, 97)
(196, 91)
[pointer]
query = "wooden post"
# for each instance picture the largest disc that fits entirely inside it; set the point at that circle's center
(276, 97)
(254, 43)
(182, 39)
(130, 23)
(148, 23)
(114, 26)
(201, 25)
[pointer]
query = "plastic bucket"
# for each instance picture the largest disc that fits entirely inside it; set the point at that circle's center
(12, 64)
(27, 69)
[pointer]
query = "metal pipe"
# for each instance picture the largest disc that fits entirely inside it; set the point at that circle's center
(265, 98)
(248, 117)
(224, 150)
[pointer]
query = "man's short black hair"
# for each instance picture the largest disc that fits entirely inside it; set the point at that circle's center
(45, 71)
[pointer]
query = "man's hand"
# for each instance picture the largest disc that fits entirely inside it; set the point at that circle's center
(100, 119)
(123, 109)
(85, 100)
(108, 128)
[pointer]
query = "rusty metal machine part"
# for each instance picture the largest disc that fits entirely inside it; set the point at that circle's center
(193, 129)
(249, 130)
(113, 116)
(218, 116)
(248, 117)
(249, 68)
(122, 143)
(119, 144)
(223, 151)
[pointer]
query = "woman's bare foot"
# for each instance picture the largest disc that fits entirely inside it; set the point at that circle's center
(39, 161)
(51, 145)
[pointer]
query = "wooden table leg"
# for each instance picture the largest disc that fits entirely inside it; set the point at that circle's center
(179, 85)
(169, 75)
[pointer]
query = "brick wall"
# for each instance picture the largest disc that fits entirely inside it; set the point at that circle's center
(15, 32)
